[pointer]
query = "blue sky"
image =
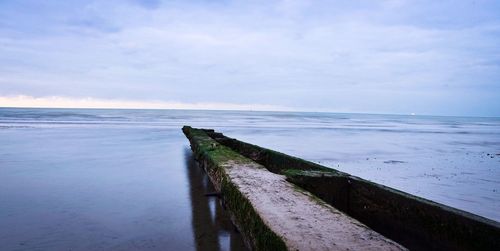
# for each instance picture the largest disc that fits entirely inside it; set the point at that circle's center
(394, 56)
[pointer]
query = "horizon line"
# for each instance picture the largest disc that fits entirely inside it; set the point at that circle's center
(239, 110)
(60, 102)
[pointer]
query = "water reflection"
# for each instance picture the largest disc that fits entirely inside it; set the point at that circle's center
(212, 228)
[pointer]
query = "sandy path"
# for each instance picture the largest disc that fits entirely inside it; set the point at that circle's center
(302, 222)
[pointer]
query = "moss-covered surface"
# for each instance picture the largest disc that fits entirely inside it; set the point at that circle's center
(311, 173)
(274, 161)
(415, 222)
(214, 157)
(249, 222)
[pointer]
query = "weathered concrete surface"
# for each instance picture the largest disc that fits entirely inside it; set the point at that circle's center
(272, 213)
(416, 223)
(302, 221)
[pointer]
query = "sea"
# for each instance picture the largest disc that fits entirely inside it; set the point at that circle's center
(112, 179)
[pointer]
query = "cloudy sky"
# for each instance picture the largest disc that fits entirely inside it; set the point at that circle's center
(394, 56)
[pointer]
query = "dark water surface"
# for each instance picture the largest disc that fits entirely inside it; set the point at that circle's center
(106, 188)
(80, 179)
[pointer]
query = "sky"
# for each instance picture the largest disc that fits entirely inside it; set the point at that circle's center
(389, 56)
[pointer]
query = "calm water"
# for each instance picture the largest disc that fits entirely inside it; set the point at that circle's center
(78, 179)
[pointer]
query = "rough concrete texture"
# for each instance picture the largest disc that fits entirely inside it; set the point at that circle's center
(273, 214)
(414, 222)
(301, 220)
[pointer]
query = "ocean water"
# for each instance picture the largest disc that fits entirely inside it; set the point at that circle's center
(87, 179)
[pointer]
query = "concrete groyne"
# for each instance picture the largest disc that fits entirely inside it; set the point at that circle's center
(280, 202)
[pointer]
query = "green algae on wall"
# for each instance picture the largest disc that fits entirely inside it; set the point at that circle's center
(214, 159)
(415, 222)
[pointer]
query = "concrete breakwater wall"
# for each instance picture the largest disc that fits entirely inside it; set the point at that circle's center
(414, 222)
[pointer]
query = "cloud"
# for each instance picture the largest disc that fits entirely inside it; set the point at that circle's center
(298, 54)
